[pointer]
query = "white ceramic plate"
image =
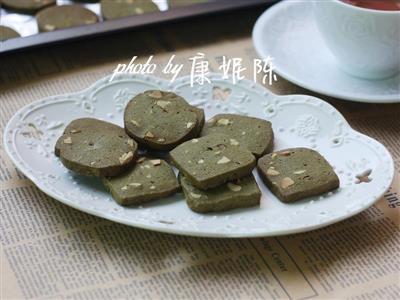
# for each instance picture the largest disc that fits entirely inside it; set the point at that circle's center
(297, 121)
(288, 33)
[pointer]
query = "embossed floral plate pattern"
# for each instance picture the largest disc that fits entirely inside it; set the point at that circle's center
(297, 121)
(288, 33)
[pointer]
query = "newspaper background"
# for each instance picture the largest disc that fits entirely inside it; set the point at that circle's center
(49, 250)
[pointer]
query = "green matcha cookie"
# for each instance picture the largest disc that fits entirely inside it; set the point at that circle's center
(240, 193)
(115, 9)
(212, 160)
(162, 120)
(27, 6)
(297, 173)
(95, 148)
(148, 180)
(252, 133)
(174, 3)
(64, 16)
(7, 33)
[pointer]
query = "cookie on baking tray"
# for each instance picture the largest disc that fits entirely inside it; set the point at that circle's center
(114, 9)
(64, 16)
(27, 6)
(7, 33)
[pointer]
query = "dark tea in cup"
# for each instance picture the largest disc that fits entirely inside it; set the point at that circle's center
(376, 4)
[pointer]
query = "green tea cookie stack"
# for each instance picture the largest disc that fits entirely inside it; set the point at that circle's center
(239, 193)
(95, 148)
(211, 165)
(64, 16)
(149, 179)
(162, 120)
(297, 173)
(253, 133)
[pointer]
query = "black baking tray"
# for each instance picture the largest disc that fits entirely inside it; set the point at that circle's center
(109, 26)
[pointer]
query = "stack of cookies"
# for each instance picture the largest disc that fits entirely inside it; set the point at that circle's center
(215, 159)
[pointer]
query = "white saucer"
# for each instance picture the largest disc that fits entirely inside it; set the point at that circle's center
(288, 33)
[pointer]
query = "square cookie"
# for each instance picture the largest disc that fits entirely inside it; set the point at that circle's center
(148, 180)
(297, 173)
(253, 133)
(240, 193)
(212, 160)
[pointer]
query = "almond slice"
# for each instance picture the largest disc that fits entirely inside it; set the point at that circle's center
(162, 103)
(130, 142)
(136, 123)
(223, 160)
(298, 172)
(141, 159)
(156, 162)
(126, 157)
(155, 94)
(149, 134)
(286, 182)
(234, 187)
(272, 172)
(224, 122)
(196, 196)
(234, 142)
(67, 140)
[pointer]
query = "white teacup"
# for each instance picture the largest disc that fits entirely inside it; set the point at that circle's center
(365, 42)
